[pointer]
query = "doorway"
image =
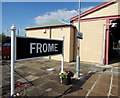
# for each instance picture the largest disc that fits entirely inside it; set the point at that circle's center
(114, 42)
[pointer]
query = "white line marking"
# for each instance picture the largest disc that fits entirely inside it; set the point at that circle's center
(92, 86)
(110, 88)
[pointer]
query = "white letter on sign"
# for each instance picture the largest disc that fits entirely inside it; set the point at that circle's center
(31, 47)
(50, 47)
(39, 46)
(44, 47)
(56, 47)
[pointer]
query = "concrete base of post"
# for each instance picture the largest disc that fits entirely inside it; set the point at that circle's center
(77, 74)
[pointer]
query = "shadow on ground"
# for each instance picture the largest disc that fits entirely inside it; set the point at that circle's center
(76, 84)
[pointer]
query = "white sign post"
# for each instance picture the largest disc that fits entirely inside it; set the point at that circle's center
(13, 30)
(30, 50)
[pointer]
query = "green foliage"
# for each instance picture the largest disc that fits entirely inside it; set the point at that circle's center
(4, 38)
(63, 75)
(66, 74)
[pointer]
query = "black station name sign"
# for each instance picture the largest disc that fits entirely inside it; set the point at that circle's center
(28, 47)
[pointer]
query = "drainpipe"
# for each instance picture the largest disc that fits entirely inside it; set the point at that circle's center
(103, 61)
(103, 47)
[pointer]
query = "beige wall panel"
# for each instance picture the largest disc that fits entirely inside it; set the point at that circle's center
(119, 8)
(58, 33)
(106, 11)
(38, 33)
(91, 44)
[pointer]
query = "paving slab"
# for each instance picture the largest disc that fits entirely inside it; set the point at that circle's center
(60, 89)
(17, 65)
(29, 78)
(117, 77)
(30, 70)
(115, 82)
(41, 73)
(49, 85)
(80, 93)
(37, 92)
(88, 85)
(103, 88)
(97, 93)
(94, 77)
(21, 73)
(39, 82)
(50, 94)
(104, 79)
(55, 78)
(115, 91)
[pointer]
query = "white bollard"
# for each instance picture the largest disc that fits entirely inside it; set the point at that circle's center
(13, 30)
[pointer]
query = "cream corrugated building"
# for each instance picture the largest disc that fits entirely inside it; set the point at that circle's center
(56, 30)
(94, 23)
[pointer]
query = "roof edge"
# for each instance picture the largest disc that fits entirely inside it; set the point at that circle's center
(49, 27)
(94, 9)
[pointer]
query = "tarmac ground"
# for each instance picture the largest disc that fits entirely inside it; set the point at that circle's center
(42, 78)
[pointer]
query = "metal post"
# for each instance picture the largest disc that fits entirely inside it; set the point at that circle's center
(78, 47)
(13, 30)
(62, 65)
(18, 31)
(50, 36)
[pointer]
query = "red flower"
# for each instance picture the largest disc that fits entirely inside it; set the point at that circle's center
(25, 85)
(19, 83)
(19, 86)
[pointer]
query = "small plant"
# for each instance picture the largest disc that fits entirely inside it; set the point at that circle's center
(20, 86)
(25, 86)
(66, 74)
